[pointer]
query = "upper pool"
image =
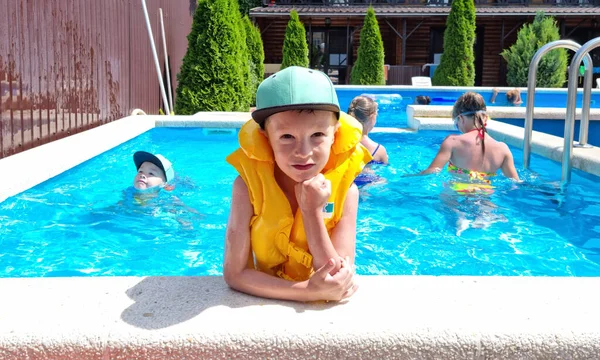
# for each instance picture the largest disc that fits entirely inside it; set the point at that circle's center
(87, 222)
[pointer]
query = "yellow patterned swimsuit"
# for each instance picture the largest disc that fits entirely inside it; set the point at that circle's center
(479, 184)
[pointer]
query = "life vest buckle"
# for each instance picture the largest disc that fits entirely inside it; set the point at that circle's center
(300, 255)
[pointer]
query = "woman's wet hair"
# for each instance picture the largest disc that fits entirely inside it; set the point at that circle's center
(472, 104)
(423, 99)
(361, 108)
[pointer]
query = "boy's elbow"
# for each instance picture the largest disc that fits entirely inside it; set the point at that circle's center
(230, 276)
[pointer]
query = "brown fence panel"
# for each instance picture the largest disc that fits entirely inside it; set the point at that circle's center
(402, 74)
(70, 65)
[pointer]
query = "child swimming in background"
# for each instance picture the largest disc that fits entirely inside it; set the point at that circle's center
(422, 100)
(152, 171)
(364, 109)
(513, 97)
(473, 156)
(291, 232)
(155, 173)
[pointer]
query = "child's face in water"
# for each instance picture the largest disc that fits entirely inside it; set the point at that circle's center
(301, 141)
(148, 176)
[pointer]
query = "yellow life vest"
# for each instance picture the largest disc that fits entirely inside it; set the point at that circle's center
(277, 236)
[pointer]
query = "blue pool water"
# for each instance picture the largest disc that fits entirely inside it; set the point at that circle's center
(86, 223)
(393, 103)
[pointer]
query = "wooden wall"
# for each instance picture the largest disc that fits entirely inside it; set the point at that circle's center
(418, 44)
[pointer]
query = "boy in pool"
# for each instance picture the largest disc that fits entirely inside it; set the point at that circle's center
(291, 232)
(153, 171)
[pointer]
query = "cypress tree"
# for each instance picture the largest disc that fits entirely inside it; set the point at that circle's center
(256, 57)
(215, 74)
(457, 65)
(295, 47)
(368, 67)
(552, 68)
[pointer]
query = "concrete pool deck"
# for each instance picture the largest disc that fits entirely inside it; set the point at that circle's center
(399, 317)
(390, 317)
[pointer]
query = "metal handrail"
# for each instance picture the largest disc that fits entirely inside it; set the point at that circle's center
(571, 104)
(531, 80)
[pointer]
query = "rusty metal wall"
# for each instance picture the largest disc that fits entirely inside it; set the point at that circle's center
(70, 65)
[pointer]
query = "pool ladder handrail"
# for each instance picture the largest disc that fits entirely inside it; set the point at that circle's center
(567, 161)
(531, 81)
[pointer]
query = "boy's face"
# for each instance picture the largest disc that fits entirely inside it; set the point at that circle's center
(148, 176)
(301, 141)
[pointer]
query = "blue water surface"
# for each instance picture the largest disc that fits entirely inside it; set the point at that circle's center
(88, 221)
(393, 102)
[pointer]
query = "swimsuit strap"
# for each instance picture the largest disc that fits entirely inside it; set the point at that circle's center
(374, 151)
(481, 131)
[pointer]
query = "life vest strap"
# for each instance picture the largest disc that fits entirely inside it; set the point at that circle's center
(284, 276)
(300, 255)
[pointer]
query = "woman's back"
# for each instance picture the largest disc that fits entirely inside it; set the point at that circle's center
(467, 153)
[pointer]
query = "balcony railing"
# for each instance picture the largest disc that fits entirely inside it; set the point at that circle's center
(431, 2)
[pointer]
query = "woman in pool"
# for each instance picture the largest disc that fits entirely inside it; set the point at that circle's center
(474, 155)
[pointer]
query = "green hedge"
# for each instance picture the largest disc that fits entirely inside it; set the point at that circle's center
(368, 67)
(457, 65)
(552, 68)
(295, 47)
(215, 71)
(256, 56)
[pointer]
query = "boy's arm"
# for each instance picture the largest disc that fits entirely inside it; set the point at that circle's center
(508, 165)
(442, 157)
(321, 246)
(239, 276)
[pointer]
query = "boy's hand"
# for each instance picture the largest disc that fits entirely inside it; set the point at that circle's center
(312, 194)
(334, 287)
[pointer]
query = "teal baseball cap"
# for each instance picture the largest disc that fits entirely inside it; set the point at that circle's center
(295, 88)
(160, 161)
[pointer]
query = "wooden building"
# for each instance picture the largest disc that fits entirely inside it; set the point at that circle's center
(412, 32)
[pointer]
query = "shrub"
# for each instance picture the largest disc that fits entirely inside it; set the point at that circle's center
(256, 57)
(215, 73)
(552, 68)
(246, 5)
(368, 67)
(295, 47)
(457, 65)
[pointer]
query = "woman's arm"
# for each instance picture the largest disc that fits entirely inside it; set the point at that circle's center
(239, 276)
(508, 165)
(442, 157)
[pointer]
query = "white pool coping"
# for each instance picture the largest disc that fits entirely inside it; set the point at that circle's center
(391, 317)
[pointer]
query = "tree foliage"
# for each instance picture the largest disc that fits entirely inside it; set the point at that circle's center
(246, 5)
(215, 74)
(368, 67)
(457, 64)
(295, 47)
(256, 57)
(552, 68)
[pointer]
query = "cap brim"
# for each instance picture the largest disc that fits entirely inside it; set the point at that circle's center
(262, 114)
(141, 157)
